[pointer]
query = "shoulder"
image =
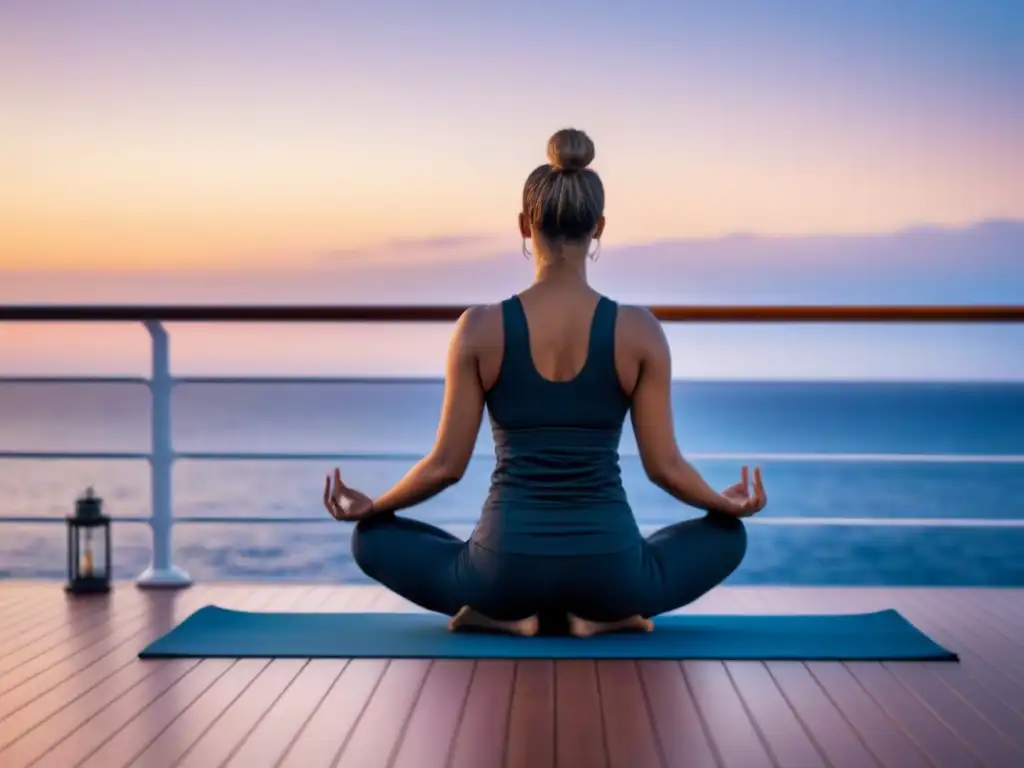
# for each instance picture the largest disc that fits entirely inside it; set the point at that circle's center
(639, 326)
(479, 326)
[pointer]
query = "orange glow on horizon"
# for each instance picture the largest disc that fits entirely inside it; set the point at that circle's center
(183, 135)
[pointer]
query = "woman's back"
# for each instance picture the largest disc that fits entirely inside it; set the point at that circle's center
(558, 367)
(557, 408)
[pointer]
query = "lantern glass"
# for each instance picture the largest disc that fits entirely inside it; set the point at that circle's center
(92, 553)
(89, 555)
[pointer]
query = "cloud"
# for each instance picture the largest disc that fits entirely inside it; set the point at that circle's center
(983, 262)
(450, 249)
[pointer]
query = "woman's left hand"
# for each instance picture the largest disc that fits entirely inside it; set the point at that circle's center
(346, 503)
(743, 503)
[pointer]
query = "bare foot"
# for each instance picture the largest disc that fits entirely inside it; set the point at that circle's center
(467, 617)
(585, 628)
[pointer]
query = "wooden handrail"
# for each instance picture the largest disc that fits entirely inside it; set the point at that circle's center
(436, 314)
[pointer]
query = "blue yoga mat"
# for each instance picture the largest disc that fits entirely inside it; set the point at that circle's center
(214, 632)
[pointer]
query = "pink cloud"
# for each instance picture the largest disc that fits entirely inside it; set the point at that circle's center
(980, 263)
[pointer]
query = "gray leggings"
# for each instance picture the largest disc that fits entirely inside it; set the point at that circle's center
(442, 573)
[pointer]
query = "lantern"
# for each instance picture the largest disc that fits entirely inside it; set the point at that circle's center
(88, 546)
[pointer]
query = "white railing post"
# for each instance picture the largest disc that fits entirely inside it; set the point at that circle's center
(162, 573)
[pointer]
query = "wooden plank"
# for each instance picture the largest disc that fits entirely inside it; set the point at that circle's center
(89, 735)
(682, 734)
(14, 603)
(779, 725)
(531, 727)
(883, 736)
(941, 708)
(266, 744)
(831, 732)
(430, 736)
(138, 733)
(368, 599)
(82, 688)
(108, 722)
(337, 599)
(333, 725)
(182, 724)
(25, 608)
(940, 744)
(882, 731)
(22, 603)
(230, 727)
(10, 593)
(17, 589)
(984, 739)
(33, 729)
(120, 747)
(319, 743)
(321, 597)
(628, 729)
(482, 733)
(1002, 717)
(736, 739)
(783, 735)
(985, 691)
(52, 606)
(1001, 606)
(997, 634)
(998, 699)
(384, 720)
(579, 724)
(94, 713)
(981, 675)
(80, 623)
(36, 672)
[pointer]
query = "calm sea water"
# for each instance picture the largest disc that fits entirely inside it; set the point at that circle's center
(830, 452)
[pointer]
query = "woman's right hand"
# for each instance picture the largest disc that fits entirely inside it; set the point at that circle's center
(344, 503)
(740, 501)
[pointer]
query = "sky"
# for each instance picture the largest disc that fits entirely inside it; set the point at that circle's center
(275, 150)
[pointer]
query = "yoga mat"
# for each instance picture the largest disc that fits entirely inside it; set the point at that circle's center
(214, 632)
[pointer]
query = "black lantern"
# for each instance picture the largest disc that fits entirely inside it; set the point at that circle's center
(88, 546)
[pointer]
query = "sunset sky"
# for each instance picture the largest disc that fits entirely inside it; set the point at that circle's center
(269, 136)
(150, 133)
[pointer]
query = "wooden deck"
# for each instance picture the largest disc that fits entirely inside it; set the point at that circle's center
(72, 693)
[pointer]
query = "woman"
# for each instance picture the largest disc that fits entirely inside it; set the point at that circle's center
(558, 366)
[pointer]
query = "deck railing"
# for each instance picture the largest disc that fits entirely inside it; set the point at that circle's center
(161, 456)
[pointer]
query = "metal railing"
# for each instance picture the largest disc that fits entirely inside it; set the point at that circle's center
(161, 456)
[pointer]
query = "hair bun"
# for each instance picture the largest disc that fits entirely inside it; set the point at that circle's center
(570, 150)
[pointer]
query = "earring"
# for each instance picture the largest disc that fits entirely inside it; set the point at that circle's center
(526, 253)
(597, 251)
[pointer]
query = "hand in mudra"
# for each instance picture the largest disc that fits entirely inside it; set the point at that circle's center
(346, 503)
(743, 500)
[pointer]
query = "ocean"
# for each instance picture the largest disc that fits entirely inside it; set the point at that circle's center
(833, 455)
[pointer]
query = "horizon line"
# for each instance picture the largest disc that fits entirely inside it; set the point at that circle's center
(454, 240)
(256, 380)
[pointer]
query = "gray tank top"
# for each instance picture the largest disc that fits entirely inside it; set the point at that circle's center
(557, 485)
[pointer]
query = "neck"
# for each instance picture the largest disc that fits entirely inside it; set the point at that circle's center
(568, 267)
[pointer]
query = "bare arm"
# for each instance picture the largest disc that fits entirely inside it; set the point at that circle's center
(458, 429)
(654, 427)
